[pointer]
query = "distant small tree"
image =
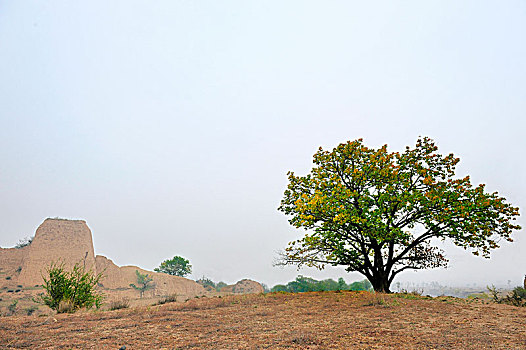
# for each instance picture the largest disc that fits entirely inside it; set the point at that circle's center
(24, 242)
(177, 266)
(341, 284)
(220, 285)
(207, 283)
(279, 288)
(266, 289)
(75, 288)
(361, 285)
(143, 281)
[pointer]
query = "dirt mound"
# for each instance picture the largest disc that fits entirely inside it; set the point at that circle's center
(244, 286)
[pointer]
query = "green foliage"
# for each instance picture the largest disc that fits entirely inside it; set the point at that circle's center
(376, 212)
(517, 297)
(143, 283)
(177, 266)
(75, 288)
(494, 293)
(307, 284)
(361, 285)
(207, 283)
(220, 285)
(279, 288)
(211, 285)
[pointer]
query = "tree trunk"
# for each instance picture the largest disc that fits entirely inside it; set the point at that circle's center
(380, 283)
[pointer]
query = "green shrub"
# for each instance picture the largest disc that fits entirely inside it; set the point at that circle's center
(517, 297)
(68, 291)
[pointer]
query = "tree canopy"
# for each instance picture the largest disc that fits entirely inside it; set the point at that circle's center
(177, 266)
(379, 212)
(307, 284)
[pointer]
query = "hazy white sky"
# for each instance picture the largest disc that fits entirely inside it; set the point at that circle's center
(169, 126)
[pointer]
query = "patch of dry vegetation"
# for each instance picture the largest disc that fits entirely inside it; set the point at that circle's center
(314, 320)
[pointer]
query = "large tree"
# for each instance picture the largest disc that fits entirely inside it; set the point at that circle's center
(380, 213)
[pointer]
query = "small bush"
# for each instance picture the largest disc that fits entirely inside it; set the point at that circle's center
(12, 307)
(122, 303)
(517, 297)
(24, 242)
(31, 309)
(494, 293)
(167, 299)
(375, 299)
(67, 291)
(415, 294)
(304, 339)
(207, 283)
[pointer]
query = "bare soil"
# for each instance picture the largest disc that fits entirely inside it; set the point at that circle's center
(321, 320)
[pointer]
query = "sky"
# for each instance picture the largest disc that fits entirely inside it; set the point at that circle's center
(170, 126)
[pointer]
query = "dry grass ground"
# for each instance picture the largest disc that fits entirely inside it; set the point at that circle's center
(323, 320)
